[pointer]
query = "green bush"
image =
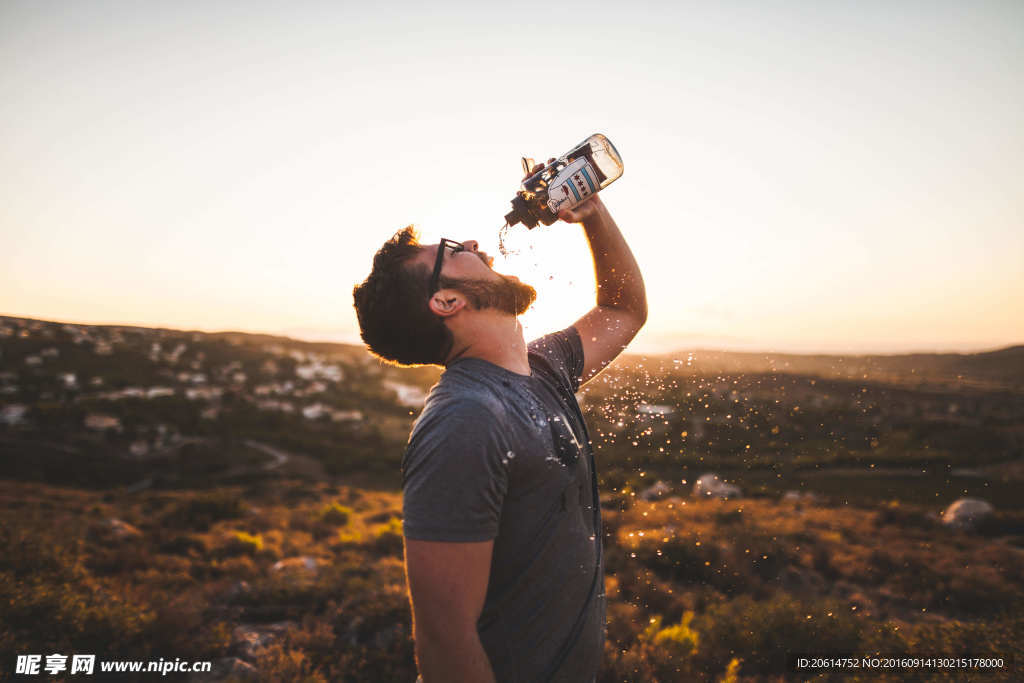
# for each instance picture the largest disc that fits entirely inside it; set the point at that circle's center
(680, 639)
(336, 514)
(242, 543)
(388, 540)
(201, 511)
(763, 632)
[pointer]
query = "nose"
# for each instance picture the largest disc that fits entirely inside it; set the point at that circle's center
(471, 245)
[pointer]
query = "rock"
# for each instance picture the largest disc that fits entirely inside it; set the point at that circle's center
(226, 669)
(966, 513)
(249, 640)
(712, 486)
(296, 565)
(799, 497)
(236, 590)
(659, 490)
(114, 529)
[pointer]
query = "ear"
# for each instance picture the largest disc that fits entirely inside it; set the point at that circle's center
(446, 302)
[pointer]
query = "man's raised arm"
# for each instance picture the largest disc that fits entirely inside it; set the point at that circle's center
(621, 308)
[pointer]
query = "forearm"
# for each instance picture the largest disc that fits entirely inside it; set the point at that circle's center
(455, 656)
(619, 282)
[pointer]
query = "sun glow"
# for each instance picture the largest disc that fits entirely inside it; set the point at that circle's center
(237, 170)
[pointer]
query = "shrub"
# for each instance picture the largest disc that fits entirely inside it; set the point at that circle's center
(388, 538)
(183, 544)
(201, 511)
(336, 514)
(732, 671)
(764, 631)
(242, 543)
(680, 639)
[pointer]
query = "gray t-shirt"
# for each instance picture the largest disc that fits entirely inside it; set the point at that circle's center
(502, 456)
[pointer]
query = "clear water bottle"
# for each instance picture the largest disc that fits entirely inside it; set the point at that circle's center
(564, 183)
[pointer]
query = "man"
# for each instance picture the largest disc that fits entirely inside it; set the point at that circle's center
(500, 511)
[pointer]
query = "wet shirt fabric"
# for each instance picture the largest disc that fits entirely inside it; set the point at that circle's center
(502, 456)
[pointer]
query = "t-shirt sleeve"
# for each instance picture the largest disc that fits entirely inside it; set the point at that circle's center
(563, 352)
(454, 476)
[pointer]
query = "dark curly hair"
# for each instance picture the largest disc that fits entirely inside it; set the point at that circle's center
(391, 304)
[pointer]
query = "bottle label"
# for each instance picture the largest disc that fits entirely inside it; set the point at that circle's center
(572, 185)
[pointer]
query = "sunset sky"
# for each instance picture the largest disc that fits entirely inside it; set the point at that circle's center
(841, 177)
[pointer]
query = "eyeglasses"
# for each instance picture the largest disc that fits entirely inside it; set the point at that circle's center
(456, 247)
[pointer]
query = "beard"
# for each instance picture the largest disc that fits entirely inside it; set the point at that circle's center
(507, 295)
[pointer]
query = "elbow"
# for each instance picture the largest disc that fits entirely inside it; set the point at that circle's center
(638, 313)
(441, 637)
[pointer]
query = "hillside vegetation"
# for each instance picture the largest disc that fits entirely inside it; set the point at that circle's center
(235, 497)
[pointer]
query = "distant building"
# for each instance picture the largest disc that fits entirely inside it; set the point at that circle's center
(314, 388)
(408, 395)
(13, 414)
(174, 356)
(315, 411)
(101, 423)
(281, 406)
(318, 370)
(139, 448)
(203, 393)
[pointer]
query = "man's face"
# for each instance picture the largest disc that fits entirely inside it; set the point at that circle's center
(471, 273)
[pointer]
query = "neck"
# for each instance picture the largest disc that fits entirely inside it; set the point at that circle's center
(491, 336)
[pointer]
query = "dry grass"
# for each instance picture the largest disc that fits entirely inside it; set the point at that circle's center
(698, 589)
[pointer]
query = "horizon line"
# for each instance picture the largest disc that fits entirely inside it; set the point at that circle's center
(355, 341)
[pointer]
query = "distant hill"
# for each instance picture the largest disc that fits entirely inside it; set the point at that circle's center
(1001, 369)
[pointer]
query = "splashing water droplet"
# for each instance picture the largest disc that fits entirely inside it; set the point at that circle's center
(502, 239)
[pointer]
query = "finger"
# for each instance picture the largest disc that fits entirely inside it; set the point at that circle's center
(533, 170)
(568, 215)
(527, 165)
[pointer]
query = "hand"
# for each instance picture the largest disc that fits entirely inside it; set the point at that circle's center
(588, 208)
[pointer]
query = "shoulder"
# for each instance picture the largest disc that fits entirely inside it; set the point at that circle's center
(459, 400)
(559, 354)
(557, 344)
